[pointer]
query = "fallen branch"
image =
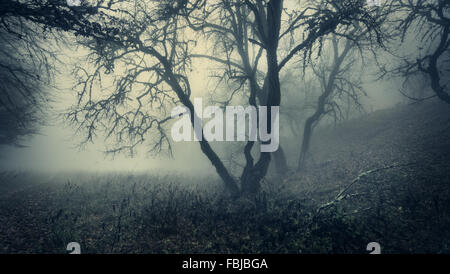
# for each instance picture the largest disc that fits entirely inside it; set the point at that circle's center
(340, 196)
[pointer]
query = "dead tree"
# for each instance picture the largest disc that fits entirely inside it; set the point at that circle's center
(336, 82)
(428, 22)
(258, 23)
(139, 60)
(241, 56)
(26, 73)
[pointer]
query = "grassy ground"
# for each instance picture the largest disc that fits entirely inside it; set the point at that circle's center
(405, 207)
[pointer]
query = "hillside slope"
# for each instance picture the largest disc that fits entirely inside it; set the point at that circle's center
(417, 134)
(400, 199)
(402, 156)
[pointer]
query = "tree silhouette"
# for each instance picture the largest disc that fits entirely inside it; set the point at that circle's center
(27, 62)
(140, 56)
(428, 21)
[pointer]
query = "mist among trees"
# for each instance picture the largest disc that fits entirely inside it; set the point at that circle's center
(348, 170)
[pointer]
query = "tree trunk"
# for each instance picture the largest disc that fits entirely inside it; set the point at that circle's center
(279, 157)
(230, 184)
(269, 31)
(280, 161)
(251, 177)
(307, 132)
(433, 71)
(321, 102)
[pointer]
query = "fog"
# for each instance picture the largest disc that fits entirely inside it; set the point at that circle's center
(55, 148)
(341, 109)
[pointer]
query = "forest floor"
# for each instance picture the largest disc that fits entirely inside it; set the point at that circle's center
(384, 177)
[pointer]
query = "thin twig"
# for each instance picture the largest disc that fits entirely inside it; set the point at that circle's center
(340, 196)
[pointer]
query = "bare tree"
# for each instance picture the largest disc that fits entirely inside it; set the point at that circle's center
(26, 67)
(246, 25)
(427, 21)
(145, 56)
(336, 82)
(27, 60)
(235, 37)
(140, 55)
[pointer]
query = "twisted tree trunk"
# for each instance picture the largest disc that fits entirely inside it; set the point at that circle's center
(268, 30)
(322, 101)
